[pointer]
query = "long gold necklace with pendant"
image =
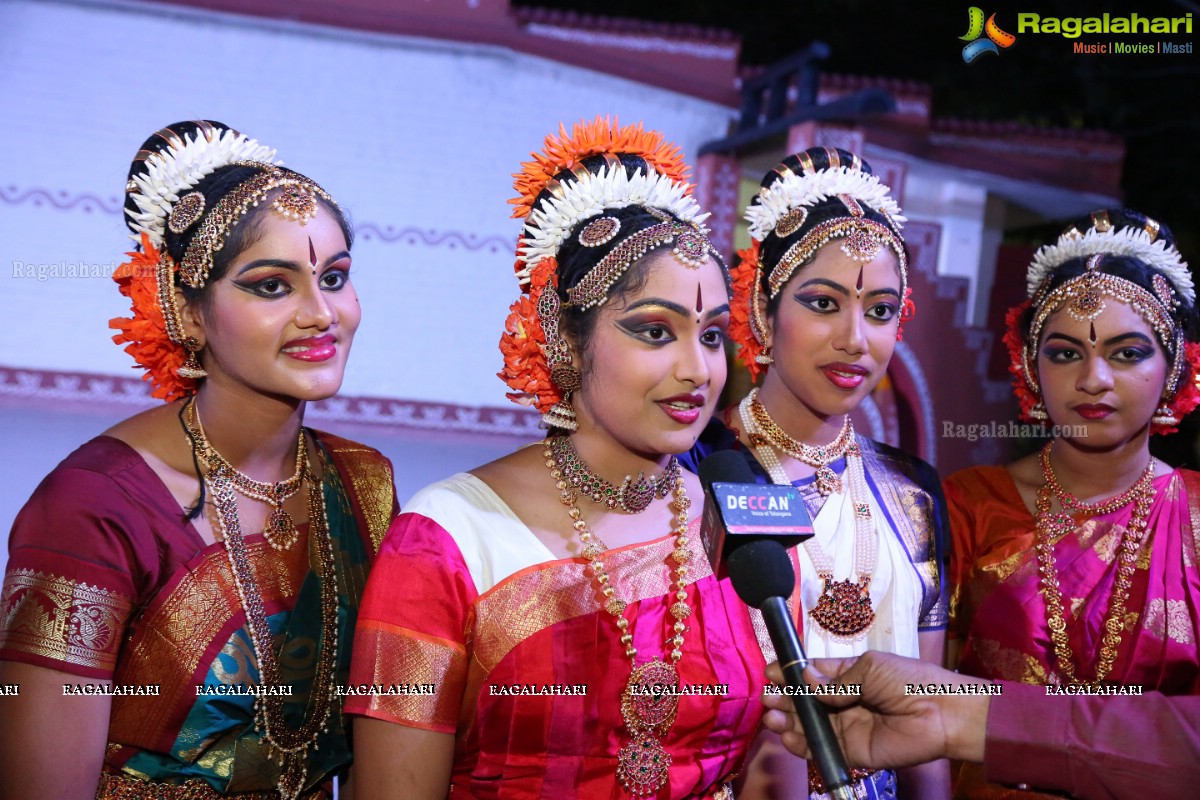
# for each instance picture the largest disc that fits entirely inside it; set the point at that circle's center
(643, 764)
(280, 531)
(843, 610)
(288, 747)
(1051, 527)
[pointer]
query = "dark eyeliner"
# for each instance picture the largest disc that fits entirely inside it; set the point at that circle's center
(638, 329)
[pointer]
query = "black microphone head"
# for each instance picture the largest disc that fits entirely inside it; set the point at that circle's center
(761, 569)
(725, 466)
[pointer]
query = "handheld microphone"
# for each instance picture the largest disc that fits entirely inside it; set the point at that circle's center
(738, 509)
(762, 575)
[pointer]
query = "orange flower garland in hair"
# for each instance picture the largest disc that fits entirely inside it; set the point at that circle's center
(1188, 396)
(908, 310)
(601, 135)
(523, 344)
(744, 275)
(1013, 343)
(146, 332)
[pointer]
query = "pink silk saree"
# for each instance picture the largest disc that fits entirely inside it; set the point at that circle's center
(423, 623)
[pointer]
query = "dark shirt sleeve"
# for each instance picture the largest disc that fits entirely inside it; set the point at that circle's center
(716, 437)
(1095, 746)
(935, 617)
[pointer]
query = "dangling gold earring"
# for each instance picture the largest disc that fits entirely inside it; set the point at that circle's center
(765, 358)
(562, 414)
(563, 374)
(1164, 415)
(1038, 412)
(192, 368)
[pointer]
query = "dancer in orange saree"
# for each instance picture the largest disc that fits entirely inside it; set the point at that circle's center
(539, 626)
(181, 591)
(1076, 567)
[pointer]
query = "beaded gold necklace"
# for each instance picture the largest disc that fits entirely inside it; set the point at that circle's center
(843, 611)
(280, 531)
(632, 496)
(288, 747)
(819, 456)
(1051, 527)
(642, 763)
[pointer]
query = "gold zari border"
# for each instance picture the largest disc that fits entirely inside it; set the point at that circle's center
(373, 487)
(62, 620)
(120, 787)
(418, 659)
(173, 638)
(527, 603)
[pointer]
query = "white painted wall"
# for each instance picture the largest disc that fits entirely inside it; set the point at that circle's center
(967, 247)
(414, 134)
(416, 138)
(34, 437)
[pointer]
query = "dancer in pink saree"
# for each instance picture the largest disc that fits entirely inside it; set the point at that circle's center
(537, 627)
(1076, 567)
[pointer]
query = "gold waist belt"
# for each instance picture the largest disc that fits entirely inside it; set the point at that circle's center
(120, 787)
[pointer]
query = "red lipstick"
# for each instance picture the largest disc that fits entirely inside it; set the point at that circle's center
(683, 408)
(847, 377)
(312, 348)
(1093, 411)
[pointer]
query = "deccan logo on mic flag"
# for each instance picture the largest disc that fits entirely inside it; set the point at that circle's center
(738, 512)
(764, 508)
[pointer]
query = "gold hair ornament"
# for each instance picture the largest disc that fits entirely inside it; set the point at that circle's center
(864, 239)
(297, 201)
(1082, 297)
(691, 249)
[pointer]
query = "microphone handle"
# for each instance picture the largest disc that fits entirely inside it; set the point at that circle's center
(814, 716)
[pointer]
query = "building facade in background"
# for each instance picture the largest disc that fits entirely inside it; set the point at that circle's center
(413, 114)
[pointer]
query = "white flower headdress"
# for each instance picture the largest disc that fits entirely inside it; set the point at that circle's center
(809, 188)
(551, 221)
(180, 166)
(1120, 241)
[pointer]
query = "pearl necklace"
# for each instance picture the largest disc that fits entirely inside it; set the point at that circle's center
(843, 611)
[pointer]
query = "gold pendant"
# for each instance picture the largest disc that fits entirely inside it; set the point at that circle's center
(280, 531)
(648, 706)
(642, 765)
(844, 609)
(828, 481)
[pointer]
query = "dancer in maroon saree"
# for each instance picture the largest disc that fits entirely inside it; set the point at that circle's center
(208, 554)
